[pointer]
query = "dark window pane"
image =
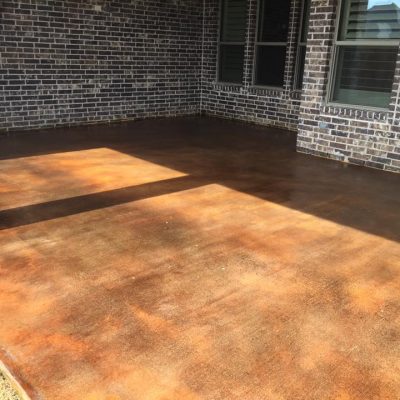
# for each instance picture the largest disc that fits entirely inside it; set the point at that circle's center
(231, 63)
(300, 67)
(364, 75)
(370, 19)
(305, 22)
(273, 20)
(233, 23)
(270, 65)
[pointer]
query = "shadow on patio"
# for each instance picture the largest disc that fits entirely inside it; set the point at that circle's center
(195, 259)
(258, 161)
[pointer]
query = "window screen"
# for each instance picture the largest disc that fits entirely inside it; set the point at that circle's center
(232, 40)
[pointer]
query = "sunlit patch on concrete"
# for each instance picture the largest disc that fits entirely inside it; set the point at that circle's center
(229, 273)
(60, 175)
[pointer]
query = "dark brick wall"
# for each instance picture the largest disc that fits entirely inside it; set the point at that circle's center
(343, 133)
(73, 61)
(247, 102)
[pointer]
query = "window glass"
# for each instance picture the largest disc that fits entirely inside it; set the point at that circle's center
(270, 65)
(274, 21)
(364, 75)
(366, 51)
(271, 43)
(231, 63)
(370, 19)
(233, 23)
(232, 40)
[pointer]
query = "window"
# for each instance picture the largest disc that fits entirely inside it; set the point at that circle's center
(271, 42)
(366, 52)
(302, 45)
(232, 40)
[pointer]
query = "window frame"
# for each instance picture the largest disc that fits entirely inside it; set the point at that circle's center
(221, 43)
(300, 44)
(337, 44)
(270, 44)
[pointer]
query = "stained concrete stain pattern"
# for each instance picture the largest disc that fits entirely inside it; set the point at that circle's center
(230, 268)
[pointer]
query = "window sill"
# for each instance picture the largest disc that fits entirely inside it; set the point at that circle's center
(296, 94)
(227, 83)
(276, 92)
(347, 110)
(232, 87)
(266, 90)
(272, 88)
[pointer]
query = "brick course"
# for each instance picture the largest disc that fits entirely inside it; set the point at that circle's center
(248, 102)
(361, 137)
(71, 61)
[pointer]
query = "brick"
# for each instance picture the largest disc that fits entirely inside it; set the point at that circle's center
(62, 53)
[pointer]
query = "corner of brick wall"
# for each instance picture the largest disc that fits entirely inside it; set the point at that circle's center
(246, 102)
(361, 137)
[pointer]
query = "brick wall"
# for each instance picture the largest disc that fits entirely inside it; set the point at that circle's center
(247, 102)
(69, 62)
(347, 134)
(343, 133)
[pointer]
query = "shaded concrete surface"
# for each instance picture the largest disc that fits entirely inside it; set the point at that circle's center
(196, 259)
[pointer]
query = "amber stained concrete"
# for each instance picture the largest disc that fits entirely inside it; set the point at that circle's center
(196, 259)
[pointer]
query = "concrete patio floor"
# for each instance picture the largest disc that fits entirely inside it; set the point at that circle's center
(195, 258)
